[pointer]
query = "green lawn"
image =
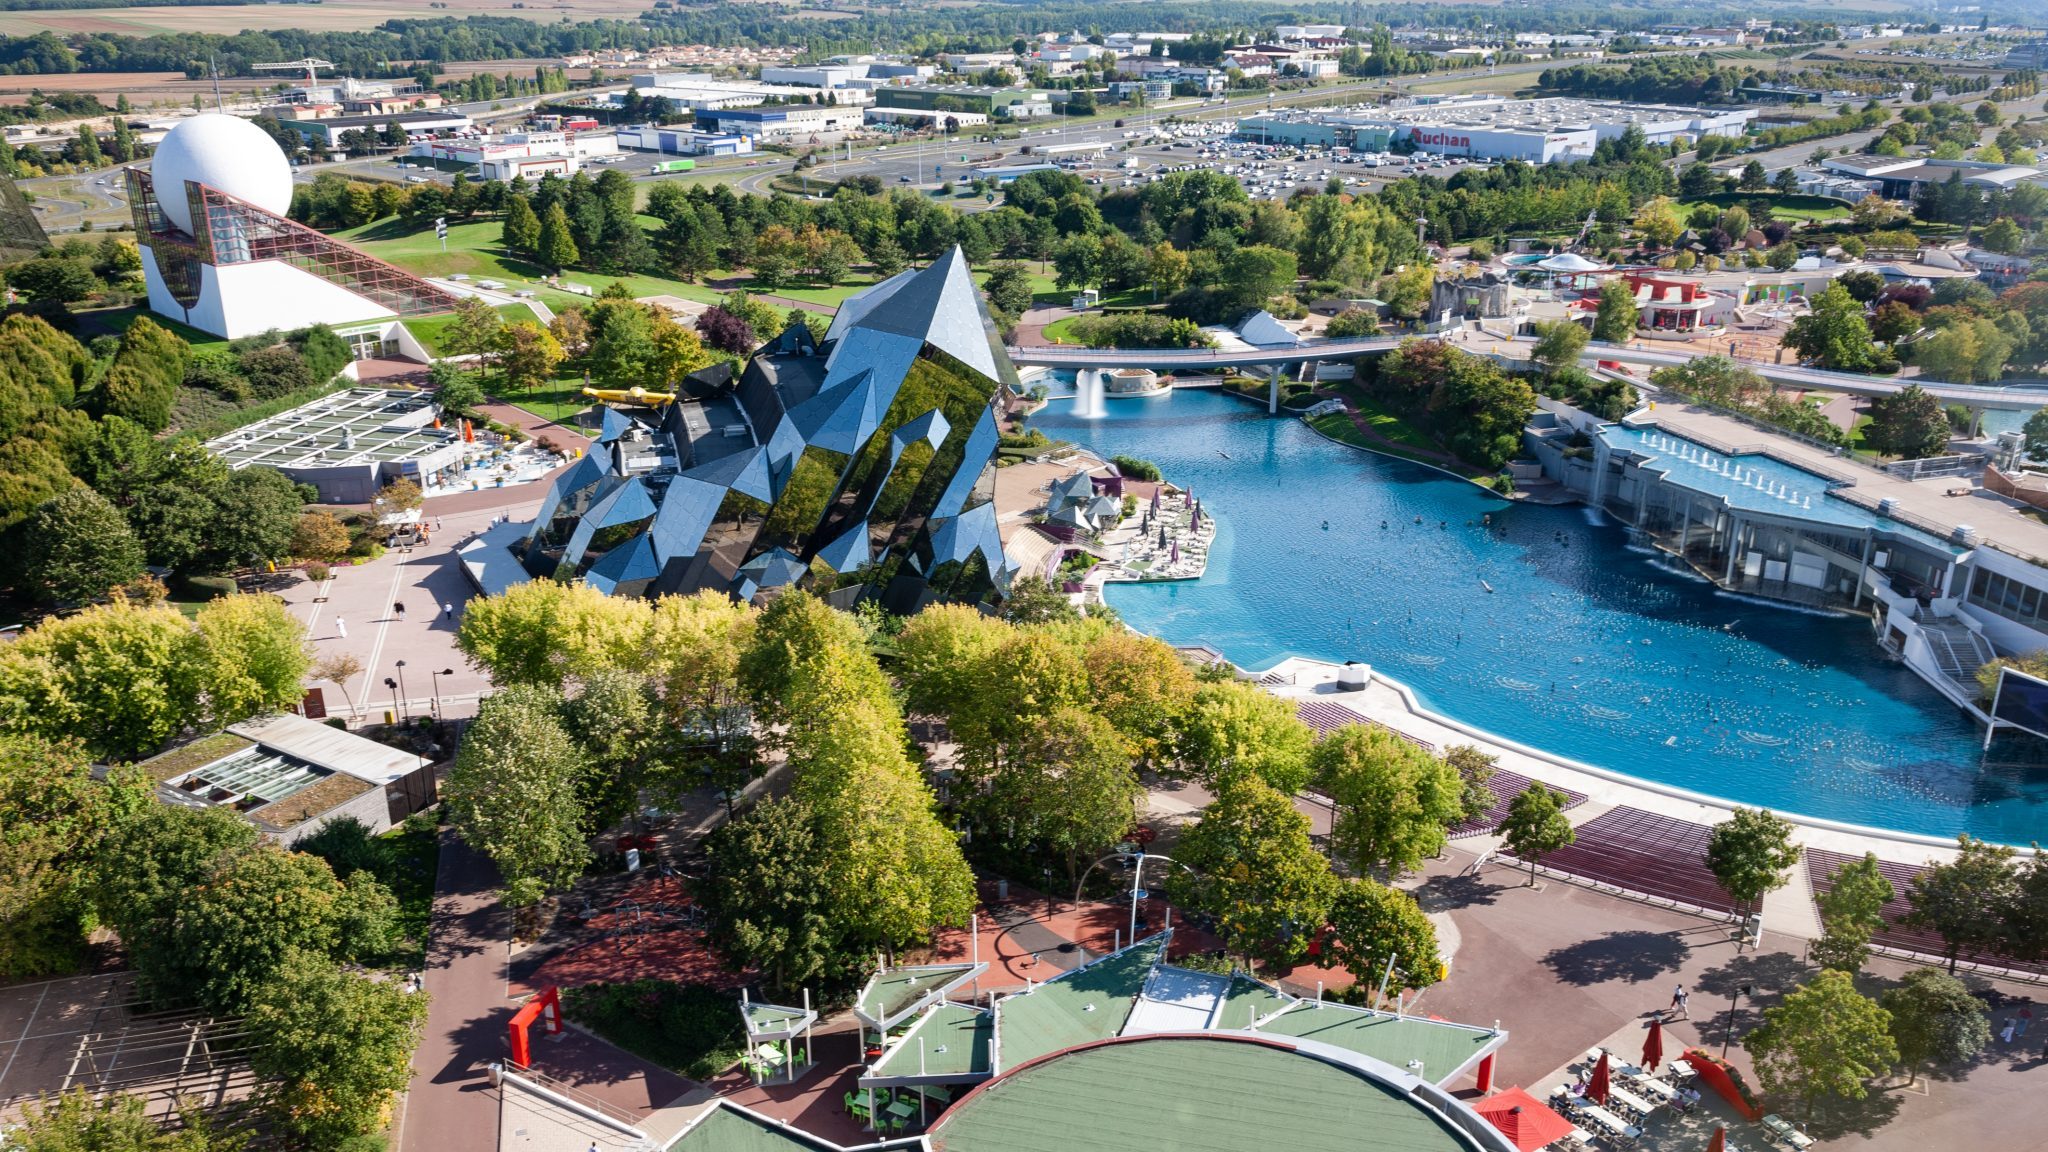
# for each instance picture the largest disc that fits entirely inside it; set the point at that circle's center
(114, 321)
(474, 249)
(1791, 209)
(559, 401)
(1385, 423)
(433, 330)
(1062, 331)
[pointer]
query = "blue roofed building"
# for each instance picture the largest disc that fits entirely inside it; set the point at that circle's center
(863, 464)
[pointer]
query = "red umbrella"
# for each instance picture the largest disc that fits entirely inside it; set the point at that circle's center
(1653, 1047)
(1597, 1090)
(1720, 1141)
(1523, 1119)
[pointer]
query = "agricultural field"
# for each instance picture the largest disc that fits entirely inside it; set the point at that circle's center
(348, 16)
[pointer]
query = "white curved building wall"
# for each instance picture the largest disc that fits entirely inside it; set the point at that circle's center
(238, 300)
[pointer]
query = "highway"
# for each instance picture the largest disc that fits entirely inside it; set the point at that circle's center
(2012, 397)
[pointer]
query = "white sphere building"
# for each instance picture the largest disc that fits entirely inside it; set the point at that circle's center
(219, 254)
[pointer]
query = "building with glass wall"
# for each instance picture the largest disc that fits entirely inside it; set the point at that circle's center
(863, 466)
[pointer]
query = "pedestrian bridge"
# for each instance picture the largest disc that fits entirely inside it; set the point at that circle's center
(2020, 396)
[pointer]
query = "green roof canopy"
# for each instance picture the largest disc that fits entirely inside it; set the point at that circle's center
(1183, 1094)
(893, 996)
(955, 1048)
(1444, 1048)
(1089, 1003)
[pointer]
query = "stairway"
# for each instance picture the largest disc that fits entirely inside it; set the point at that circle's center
(1958, 651)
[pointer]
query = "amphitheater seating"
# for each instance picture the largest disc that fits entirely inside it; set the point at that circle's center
(1505, 786)
(1645, 853)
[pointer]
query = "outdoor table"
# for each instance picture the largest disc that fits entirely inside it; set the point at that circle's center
(1652, 1086)
(1631, 1101)
(938, 1092)
(901, 1109)
(1682, 1071)
(769, 1054)
(1783, 1130)
(1610, 1121)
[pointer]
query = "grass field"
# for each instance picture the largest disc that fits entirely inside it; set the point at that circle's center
(1791, 209)
(433, 330)
(473, 249)
(114, 321)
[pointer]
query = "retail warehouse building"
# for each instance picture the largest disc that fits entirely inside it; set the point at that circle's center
(1492, 128)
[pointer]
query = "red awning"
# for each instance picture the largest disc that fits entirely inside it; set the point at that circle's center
(1523, 1119)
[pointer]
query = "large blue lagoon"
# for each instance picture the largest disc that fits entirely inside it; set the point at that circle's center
(1589, 647)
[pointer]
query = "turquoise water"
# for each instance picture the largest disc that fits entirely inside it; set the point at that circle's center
(1589, 647)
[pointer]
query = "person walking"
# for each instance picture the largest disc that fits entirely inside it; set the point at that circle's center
(1678, 1003)
(448, 612)
(398, 610)
(341, 627)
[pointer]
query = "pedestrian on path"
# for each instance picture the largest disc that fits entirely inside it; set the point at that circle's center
(448, 612)
(398, 610)
(2026, 1020)
(341, 627)
(1678, 1003)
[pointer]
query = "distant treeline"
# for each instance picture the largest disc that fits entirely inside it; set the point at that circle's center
(67, 5)
(397, 47)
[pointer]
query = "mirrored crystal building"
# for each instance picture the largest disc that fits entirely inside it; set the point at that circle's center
(865, 464)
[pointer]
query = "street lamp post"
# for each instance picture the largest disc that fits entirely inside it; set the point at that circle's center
(1739, 990)
(437, 688)
(393, 685)
(401, 691)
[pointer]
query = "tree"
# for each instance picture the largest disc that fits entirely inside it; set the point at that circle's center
(1825, 1040)
(513, 793)
(115, 678)
(1371, 924)
(249, 656)
(338, 668)
(726, 332)
(1033, 600)
(335, 1049)
(677, 352)
(545, 633)
(1908, 423)
(319, 536)
(1833, 334)
(1393, 801)
(694, 645)
(1965, 900)
(1233, 729)
(1851, 912)
(767, 892)
(1256, 872)
(556, 245)
(1782, 256)
(1615, 323)
(77, 546)
(1657, 221)
(1749, 854)
(522, 227)
(1141, 686)
(476, 329)
(1893, 321)
(1008, 288)
(55, 279)
(81, 1121)
(252, 912)
(1936, 1019)
(1535, 825)
(940, 655)
(1068, 787)
(52, 817)
(2002, 236)
(273, 371)
(527, 355)
(1558, 345)
(1752, 178)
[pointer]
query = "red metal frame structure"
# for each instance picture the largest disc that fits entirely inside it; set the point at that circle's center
(232, 231)
(545, 1004)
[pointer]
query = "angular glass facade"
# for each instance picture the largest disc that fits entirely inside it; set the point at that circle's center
(865, 465)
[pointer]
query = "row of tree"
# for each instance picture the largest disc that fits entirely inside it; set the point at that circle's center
(211, 916)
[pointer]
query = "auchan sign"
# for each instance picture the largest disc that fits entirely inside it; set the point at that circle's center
(1440, 139)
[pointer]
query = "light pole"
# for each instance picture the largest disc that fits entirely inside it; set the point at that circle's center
(401, 691)
(1740, 990)
(393, 685)
(437, 688)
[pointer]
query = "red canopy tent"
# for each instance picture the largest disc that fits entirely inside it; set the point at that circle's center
(1720, 1141)
(1523, 1119)
(1653, 1047)
(1597, 1090)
